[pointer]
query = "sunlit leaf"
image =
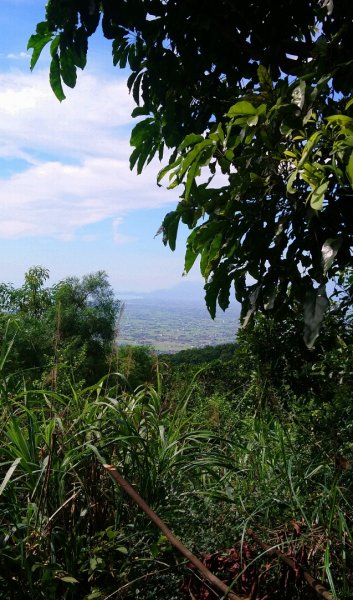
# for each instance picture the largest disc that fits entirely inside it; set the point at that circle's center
(349, 169)
(241, 108)
(8, 475)
(329, 251)
(318, 196)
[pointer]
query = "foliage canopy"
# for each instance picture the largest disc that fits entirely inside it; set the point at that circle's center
(257, 97)
(70, 326)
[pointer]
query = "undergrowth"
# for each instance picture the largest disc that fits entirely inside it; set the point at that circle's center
(212, 467)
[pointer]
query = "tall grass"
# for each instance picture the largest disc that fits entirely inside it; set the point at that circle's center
(210, 467)
(66, 531)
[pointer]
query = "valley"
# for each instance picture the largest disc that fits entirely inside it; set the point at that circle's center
(172, 325)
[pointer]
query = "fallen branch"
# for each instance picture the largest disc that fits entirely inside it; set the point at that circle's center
(220, 585)
(314, 583)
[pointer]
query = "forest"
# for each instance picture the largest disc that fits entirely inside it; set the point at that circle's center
(223, 472)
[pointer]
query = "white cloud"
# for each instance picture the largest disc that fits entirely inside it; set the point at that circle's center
(86, 123)
(120, 238)
(18, 56)
(77, 154)
(56, 200)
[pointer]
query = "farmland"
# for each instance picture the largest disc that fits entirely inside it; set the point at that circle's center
(170, 326)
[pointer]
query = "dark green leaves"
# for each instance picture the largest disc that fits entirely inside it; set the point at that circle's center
(276, 143)
(68, 49)
(147, 139)
(68, 68)
(55, 78)
(170, 228)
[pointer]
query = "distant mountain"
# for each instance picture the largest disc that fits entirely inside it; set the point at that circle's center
(185, 291)
(191, 291)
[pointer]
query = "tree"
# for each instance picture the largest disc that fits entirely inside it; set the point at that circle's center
(85, 313)
(259, 92)
(68, 327)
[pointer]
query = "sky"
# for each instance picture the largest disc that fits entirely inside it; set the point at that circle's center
(68, 201)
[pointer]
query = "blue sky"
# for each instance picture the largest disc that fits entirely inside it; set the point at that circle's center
(67, 198)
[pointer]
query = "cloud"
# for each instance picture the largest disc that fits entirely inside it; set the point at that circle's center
(56, 200)
(88, 122)
(75, 154)
(120, 238)
(18, 56)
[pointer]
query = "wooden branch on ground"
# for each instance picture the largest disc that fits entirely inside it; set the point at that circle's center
(220, 585)
(314, 583)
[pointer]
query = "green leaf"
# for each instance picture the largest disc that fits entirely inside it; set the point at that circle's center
(340, 120)
(162, 173)
(253, 120)
(95, 595)
(37, 42)
(318, 195)
(349, 170)
(309, 147)
(55, 78)
(101, 459)
(54, 46)
(264, 78)
(329, 251)
(170, 229)
(140, 111)
(190, 140)
(241, 108)
(193, 172)
(197, 152)
(80, 48)
(68, 68)
(68, 579)
(141, 131)
(315, 306)
(190, 257)
(298, 95)
(291, 180)
(216, 246)
(9, 474)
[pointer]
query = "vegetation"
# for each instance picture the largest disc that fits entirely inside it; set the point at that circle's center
(60, 334)
(241, 449)
(258, 92)
(245, 452)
